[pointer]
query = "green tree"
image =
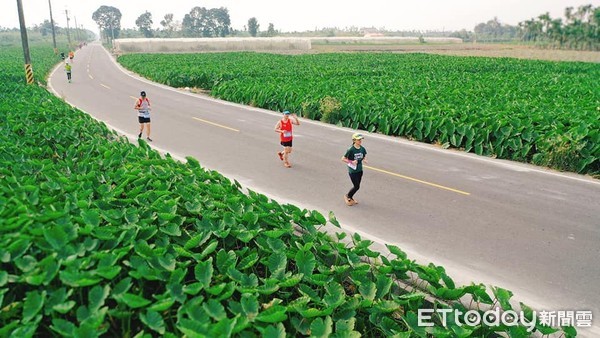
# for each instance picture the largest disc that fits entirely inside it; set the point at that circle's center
(253, 26)
(271, 30)
(144, 23)
(207, 22)
(45, 28)
(580, 30)
(168, 24)
(222, 21)
(108, 19)
(493, 30)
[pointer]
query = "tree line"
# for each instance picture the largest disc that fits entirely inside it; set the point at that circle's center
(579, 30)
(199, 22)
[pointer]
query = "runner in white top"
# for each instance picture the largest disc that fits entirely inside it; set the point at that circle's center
(142, 105)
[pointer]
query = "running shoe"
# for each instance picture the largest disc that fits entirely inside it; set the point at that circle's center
(348, 200)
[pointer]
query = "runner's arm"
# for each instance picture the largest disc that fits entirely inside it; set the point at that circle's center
(278, 127)
(345, 159)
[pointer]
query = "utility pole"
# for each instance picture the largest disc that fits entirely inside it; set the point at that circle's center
(53, 33)
(24, 41)
(112, 33)
(68, 34)
(76, 29)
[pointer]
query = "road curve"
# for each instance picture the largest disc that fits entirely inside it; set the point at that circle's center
(530, 230)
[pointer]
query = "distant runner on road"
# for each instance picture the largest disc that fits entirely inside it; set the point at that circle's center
(284, 128)
(354, 158)
(68, 71)
(142, 105)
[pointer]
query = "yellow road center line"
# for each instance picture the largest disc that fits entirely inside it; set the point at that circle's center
(215, 124)
(419, 181)
(105, 86)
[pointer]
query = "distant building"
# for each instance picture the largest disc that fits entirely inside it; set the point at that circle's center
(370, 32)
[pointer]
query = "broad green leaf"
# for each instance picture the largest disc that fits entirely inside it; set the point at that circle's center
(345, 327)
(64, 307)
(214, 309)
(171, 229)
(63, 327)
(249, 306)
(225, 259)
(204, 272)
(306, 262)
(277, 263)
(321, 328)
(396, 251)
(334, 295)
(108, 272)
(3, 278)
(197, 240)
(368, 290)
(384, 284)
(503, 297)
(97, 296)
(387, 306)
(134, 301)
(448, 294)
(86, 331)
(274, 314)
(275, 233)
(333, 220)
(91, 217)
(56, 236)
(223, 327)
(143, 249)
(162, 305)
(34, 301)
(273, 331)
(318, 217)
(210, 248)
(153, 320)
(291, 281)
(26, 331)
(248, 261)
(193, 288)
(250, 218)
(123, 286)
(78, 279)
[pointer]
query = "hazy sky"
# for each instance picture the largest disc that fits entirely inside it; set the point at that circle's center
(303, 15)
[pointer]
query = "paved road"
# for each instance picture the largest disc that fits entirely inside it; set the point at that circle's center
(530, 230)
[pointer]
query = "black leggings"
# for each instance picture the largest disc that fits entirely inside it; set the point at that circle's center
(355, 178)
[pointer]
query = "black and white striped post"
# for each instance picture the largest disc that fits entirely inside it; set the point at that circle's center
(28, 70)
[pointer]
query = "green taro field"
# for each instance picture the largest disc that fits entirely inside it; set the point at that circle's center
(540, 112)
(103, 238)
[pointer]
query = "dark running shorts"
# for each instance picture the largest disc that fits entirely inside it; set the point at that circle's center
(286, 144)
(144, 119)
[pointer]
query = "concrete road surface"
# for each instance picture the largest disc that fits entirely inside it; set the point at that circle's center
(530, 230)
